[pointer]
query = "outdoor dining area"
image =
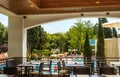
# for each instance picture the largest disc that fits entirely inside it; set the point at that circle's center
(65, 67)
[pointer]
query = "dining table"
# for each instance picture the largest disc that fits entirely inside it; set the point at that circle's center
(74, 65)
(26, 66)
(116, 65)
(84, 75)
(71, 65)
(4, 75)
(103, 75)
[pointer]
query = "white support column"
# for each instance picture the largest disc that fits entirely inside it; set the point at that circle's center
(16, 37)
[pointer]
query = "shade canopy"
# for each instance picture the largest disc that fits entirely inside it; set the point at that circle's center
(111, 25)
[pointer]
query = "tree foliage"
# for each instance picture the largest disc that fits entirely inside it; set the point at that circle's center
(3, 34)
(87, 48)
(77, 35)
(36, 38)
(3, 37)
(107, 31)
(100, 40)
(59, 41)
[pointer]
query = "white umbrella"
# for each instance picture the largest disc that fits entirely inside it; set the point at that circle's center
(54, 55)
(111, 25)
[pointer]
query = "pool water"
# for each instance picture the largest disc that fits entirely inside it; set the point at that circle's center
(2, 66)
(45, 72)
(55, 63)
(36, 68)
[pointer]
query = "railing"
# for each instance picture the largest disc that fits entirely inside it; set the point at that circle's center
(86, 61)
(66, 59)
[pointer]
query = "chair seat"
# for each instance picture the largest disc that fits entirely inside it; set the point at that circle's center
(37, 72)
(46, 69)
(19, 69)
(108, 71)
(11, 76)
(34, 72)
(63, 71)
(82, 75)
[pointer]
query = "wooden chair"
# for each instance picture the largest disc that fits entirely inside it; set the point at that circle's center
(59, 68)
(81, 70)
(34, 72)
(11, 63)
(63, 64)
(11, 71)
(64, 67)
(107, 70)
(11, 68)
(48, 69)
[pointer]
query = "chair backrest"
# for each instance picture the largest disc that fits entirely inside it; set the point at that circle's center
(41, 67)
(59, 65)
(10, 70)
(98, 64)
(50, 65)
(10, 63)
(63, 64)
(107, 70)
(81, 70)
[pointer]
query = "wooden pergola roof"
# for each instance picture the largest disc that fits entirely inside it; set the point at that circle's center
(28, 7)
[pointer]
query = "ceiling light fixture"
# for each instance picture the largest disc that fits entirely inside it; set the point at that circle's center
(31, 5)
(97, 2)
(82, 14)
(107, 13)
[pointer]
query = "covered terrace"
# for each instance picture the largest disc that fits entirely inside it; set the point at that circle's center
(25, 14)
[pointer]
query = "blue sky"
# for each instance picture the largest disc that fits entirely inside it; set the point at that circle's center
(4, 19)
(63, 26)
(59, 26)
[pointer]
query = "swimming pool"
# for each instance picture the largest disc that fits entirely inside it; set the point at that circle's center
(2, 66)
(45, 72)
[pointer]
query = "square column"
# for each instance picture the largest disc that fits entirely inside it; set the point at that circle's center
(16, 37)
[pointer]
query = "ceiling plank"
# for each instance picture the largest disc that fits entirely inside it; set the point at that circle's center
(23, 7)
(35, 3)
(76, 3)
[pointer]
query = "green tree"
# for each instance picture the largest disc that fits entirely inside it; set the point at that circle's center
(3, 34)
(36, 38)
(59, 41)
(115, 33)
(66, 45)
(77, 36)
(107, 31)
(3, 38)
(56, 41)
(80, 28)
(100, 40)
(87, 48)
(90, 29)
